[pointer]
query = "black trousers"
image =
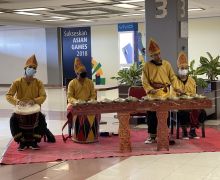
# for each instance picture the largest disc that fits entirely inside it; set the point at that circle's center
(152, 122)
(20, 134)
(185, 120)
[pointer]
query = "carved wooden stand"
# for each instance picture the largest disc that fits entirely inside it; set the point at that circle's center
(125, 108)
(162, 131)
(124, 132)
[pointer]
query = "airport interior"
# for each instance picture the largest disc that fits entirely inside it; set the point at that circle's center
(110, 89)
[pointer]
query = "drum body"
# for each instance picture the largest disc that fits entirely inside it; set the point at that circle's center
(86, 128)
(28, 125)
(28, 121)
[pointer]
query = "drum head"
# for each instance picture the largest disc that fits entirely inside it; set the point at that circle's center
(27, 110)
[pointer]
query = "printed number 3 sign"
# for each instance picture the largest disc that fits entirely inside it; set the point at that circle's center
(161, 10)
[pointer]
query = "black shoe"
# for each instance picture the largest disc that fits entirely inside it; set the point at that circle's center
(150, 140)
(192, 134)
(22, 146)
(185, 134)
(50, 136)
(34, 146)
(172, 142)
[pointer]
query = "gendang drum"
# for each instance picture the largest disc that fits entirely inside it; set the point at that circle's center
(28, 118)
(86, 128)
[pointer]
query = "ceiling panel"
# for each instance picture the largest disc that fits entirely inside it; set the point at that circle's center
(100, 13)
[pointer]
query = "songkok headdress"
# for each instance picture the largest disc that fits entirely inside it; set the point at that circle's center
(32, 61)
(153, 48)
(78, 66)
(182, 60)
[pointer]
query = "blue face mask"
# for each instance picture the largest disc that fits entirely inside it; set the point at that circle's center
(30, 71)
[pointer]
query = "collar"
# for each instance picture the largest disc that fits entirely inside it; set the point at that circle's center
(185, 81)
(156, 63)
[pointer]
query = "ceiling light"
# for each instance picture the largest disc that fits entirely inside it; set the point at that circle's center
(128, 6)
(59, 17)
(195, 9)
(1, 12)
(100, 1)
(28, 13)
(126, 15)
(55, 19)
(32, 9)
(84, 20)
(132, 1)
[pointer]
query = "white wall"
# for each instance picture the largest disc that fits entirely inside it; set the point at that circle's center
(105, 48)
(16, 45)
(204, 36)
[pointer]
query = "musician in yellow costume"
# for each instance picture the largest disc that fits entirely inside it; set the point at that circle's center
(81, 89)
(188, 85)
(23, 91)
(157, 77)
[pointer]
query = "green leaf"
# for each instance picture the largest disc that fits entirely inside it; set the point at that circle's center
(203, 60)
(210, 56)
(131, 76)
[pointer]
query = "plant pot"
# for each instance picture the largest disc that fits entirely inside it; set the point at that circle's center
(215, 85)
(212, 93)
(123, 91)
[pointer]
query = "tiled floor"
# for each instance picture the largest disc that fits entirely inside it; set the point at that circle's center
(195, 166)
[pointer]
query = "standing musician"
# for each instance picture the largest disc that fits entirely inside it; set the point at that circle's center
(157, 77)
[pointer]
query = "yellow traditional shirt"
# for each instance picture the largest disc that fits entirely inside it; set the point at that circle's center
(80, 90)
(189, 87)
(21, 90)
(161, 74)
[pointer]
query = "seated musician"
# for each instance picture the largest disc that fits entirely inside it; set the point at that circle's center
(81, 88)
(188, 84)
(24, 91)
(157, 76)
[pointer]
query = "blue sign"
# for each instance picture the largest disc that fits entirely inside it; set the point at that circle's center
(76, 42)
(127, 27)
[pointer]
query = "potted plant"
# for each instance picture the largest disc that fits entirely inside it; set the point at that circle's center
(128, 77)
(211, 68)
(193, 72)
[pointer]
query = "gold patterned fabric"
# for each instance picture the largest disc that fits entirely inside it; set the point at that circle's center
(162, 74)
(189, 87)
(32, 61)
(80, 90)
(153, 48)
(21, 90)
(182, 61)
(78, 66)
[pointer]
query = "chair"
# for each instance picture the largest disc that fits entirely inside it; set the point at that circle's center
(138, 92)
(174, 118)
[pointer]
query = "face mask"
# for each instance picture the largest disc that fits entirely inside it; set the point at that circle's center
(30, 71)
(183, 72)
(83, 75)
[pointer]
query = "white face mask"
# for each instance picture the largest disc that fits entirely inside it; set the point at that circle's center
(183, 72)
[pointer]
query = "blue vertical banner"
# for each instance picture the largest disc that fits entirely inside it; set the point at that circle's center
(76, 42)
